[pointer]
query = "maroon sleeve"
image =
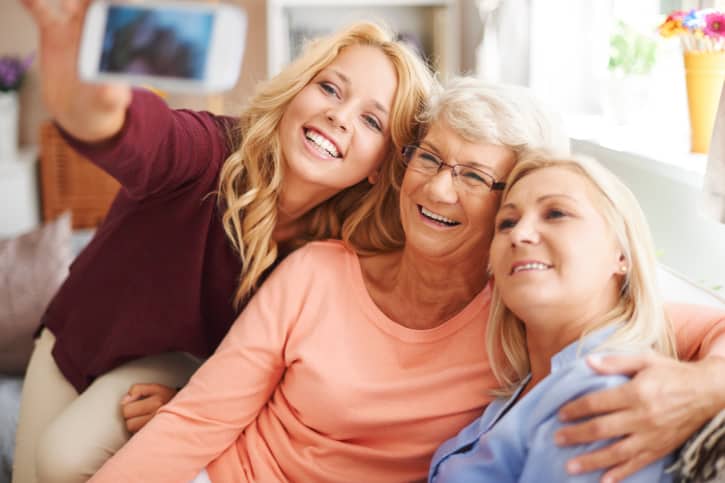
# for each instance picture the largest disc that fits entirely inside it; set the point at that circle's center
(159, 149)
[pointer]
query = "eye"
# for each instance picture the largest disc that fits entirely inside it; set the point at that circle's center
(505, 224)
(329, 88)
(428, 158)
(373, 123)
(474, 176)
(554, 213)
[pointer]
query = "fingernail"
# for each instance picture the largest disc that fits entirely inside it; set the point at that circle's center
(126, 398)
(563, 416)
(559, 439)
(573, 467)
(596, 359)
(607, 479)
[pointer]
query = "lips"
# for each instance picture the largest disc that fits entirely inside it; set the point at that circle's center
(529, 266)
(321, 143)
(437, 217)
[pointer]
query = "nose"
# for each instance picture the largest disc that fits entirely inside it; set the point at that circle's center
(524, 232)
(441, 188)
(339, 117)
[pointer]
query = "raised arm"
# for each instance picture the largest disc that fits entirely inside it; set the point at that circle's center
(664, 404)
(89, 112)
(132, 135)
(222, 398)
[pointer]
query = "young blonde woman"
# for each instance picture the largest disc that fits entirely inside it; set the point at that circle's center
(574, 267)
(207, 206)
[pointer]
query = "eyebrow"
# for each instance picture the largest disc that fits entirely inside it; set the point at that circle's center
(474, 164)
(540, 199)
(346, 80)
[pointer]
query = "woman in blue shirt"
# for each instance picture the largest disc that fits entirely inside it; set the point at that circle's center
(574, 267)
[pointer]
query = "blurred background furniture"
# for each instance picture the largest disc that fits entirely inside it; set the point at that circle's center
(69, 182)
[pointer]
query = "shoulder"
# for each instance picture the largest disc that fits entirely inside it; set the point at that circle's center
(200, 126)
(569, 382)
(579, 375)
(319, 257)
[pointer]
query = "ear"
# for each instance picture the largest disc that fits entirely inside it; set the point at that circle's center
(374, 176)
(622, 265)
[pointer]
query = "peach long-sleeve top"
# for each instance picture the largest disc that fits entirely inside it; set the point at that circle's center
(314, 383)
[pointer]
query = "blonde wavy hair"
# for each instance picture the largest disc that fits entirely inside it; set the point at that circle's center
(639, 309)
(251, 177)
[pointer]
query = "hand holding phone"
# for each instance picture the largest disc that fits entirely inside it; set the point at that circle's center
(89, 112)
(175, 46)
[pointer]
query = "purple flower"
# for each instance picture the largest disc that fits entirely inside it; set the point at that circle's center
(12, 71)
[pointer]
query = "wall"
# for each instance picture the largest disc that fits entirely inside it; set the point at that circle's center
(19, 36)
(670, 196)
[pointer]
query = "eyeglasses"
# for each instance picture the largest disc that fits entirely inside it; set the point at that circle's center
(426, 162)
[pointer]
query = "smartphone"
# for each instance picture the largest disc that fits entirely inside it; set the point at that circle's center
(172, 46)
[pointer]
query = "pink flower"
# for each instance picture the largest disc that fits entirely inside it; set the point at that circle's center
(715, 25)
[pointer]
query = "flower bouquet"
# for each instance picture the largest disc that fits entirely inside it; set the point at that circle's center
(12, 72)
(702, 35)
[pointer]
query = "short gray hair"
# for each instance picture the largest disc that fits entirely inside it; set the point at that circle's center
(500, 114)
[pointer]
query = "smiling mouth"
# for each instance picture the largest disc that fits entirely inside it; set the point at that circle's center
(322, 144)
(530, 267)
(435, 217)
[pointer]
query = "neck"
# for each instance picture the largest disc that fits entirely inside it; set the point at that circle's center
(295, 200)
(422, 293)
(547, 336)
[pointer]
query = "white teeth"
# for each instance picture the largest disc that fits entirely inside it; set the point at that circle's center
(531, 266)
(437, 217)
(322, 142)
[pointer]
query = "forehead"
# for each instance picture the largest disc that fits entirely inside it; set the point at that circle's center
(449, 144)
(368, 71)
(555, 181)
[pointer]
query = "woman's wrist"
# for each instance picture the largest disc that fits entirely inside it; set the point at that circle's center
(713, 384)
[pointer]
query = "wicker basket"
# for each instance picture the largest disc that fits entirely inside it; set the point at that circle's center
(68, 181)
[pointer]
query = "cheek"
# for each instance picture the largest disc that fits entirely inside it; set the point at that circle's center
(370, 150)
(484, 216)
(497, 255)
(409, 186)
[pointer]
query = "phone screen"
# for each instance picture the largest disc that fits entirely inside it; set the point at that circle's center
(164, 42)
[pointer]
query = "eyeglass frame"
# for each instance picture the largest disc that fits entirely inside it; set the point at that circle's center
(495, 185)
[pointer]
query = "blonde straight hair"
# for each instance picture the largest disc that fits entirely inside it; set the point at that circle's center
(644, 325)
(252, 176)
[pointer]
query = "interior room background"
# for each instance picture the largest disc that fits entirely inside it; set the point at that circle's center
(636, 124)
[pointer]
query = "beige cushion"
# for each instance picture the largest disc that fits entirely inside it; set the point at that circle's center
(32, 267)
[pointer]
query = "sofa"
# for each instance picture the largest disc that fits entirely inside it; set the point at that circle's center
(49, 250)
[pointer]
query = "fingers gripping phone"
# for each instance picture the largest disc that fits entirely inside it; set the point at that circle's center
(173, 46)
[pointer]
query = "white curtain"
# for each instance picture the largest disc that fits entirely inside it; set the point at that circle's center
(503, 54)
(557, 47)
(714, 183)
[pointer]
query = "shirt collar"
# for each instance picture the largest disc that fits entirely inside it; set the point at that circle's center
(581, 347)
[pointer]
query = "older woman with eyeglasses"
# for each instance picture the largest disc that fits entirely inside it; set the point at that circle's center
(356, 359)
(473, 134)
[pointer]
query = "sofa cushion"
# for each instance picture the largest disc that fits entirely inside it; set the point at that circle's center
(32, 267)
(676, 288)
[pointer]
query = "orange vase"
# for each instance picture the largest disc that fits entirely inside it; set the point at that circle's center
(704, 75)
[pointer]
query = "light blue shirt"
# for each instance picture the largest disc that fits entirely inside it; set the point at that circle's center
(516, 442)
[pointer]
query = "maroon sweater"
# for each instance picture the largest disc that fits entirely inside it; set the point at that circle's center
(160, 273)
